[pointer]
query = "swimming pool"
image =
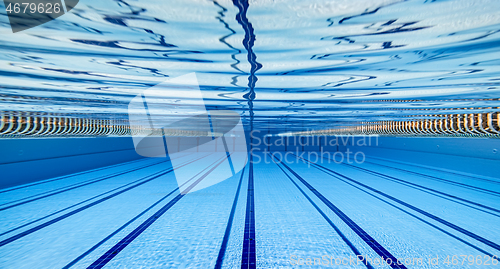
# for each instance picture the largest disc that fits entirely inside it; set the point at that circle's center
(252, 134)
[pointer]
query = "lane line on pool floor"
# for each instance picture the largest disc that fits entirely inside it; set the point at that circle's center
(118, 247)
(451, 182)
(330, 222)
(420, 219)
(227, 233)
(370, 241)
(74, 186)
(68, 176)
(423, 212)
(249, 256)
(145, 179)
(73, 262)
(476, 177)
(426, 189)
(69, 207)
(88, 180)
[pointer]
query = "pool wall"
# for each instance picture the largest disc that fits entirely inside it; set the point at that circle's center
(27, 160)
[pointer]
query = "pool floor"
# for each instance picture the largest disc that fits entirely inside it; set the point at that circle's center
(272, 214)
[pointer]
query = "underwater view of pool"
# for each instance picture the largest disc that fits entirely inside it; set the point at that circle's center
(249, 134)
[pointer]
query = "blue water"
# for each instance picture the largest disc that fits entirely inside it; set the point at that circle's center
(284, 65)
(126, 216)
(74, 200)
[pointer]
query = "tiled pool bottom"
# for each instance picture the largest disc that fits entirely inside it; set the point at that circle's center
(270, 215)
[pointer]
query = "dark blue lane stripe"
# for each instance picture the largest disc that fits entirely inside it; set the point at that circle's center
(71, 187)
(223, 138)
(112, 252)
(228, 155)
(435, 169)
(417, 186)
(337, 230)
(69, 207)
(225, 239)
(67, 176)
(420, 219)
(65, 156)
(425, 213)
(370, 241)
(73, 262)
(451, 182)
(248, 258)
(45, 224)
